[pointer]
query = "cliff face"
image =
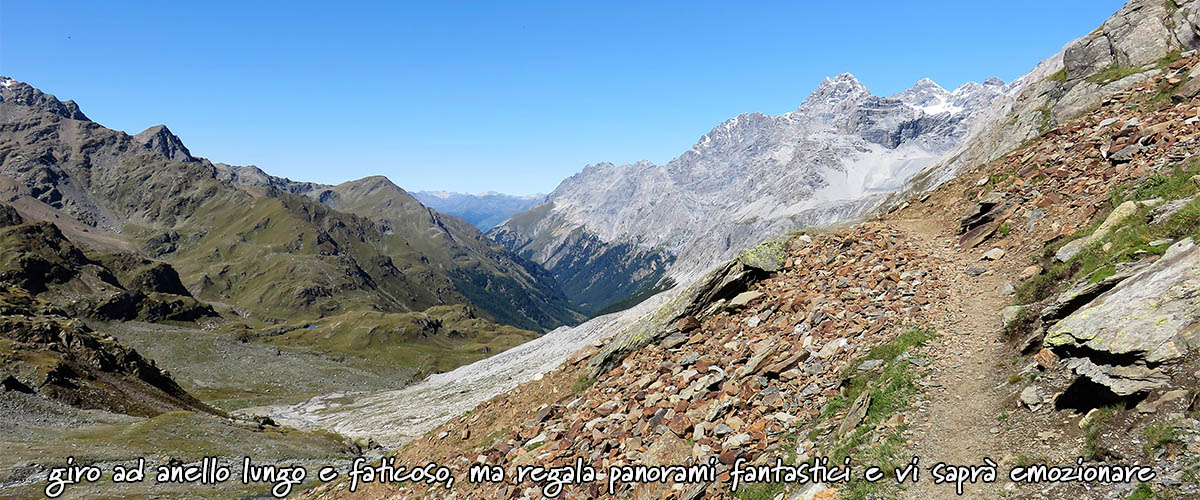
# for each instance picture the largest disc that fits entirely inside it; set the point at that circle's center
(750, 178)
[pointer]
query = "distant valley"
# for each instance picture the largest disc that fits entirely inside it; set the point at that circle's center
(484, 211)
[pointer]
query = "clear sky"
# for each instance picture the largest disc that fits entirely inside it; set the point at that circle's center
(505, 96)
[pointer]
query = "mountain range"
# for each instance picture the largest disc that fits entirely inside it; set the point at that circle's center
(611, 231)
(1027, 296)
(264, 248)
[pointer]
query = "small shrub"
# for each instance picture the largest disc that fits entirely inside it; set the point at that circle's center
(1158, 437)
(1142, 492)
(581, 384)
(1091, 432)
(1022, 325)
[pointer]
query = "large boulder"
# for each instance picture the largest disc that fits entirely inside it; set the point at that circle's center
(1136, 35)
(1118, 215)
(1119, 339)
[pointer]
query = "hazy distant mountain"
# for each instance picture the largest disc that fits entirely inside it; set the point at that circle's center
(484, 211)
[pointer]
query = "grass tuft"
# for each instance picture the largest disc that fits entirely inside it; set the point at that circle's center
(1158, 437)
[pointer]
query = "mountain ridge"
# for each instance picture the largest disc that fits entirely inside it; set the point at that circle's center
(149, 190)
(751, 177)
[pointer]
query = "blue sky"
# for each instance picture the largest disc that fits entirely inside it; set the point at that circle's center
(505, 96)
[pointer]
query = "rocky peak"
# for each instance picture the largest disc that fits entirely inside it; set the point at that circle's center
(735, 130)
(751, 177)
(160, 140)
(22, 94)
(924, 94)
(251, 175)
(841, 88)
(374, 183)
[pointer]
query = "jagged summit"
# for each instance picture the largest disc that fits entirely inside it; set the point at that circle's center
(841, 88)
(925, 94)
(160, 140)
(22, 94)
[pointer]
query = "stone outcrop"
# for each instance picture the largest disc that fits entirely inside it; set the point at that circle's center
(44, 352)
(700, 300)
(1149, 319)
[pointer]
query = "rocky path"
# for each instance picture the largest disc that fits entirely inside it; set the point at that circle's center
(955, 424)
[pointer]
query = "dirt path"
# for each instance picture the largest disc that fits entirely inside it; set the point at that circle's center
(955, 423)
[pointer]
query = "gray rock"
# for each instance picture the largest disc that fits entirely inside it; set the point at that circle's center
(1143, 321)
(1009, 314)
(744, 298)
(756, 359)
(1122, 380)
(736, 441)
(1030, 397)
(1126, 153)
(1082, 293)
(1152, 407)
(993, 254)
(856, 414)
(833, 347)
(870, 365)
(674, 340)
(538, 440)
(1136, 35)
(1167, 210)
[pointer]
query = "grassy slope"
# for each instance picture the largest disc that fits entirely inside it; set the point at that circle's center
(437, 340)
(505, 287)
